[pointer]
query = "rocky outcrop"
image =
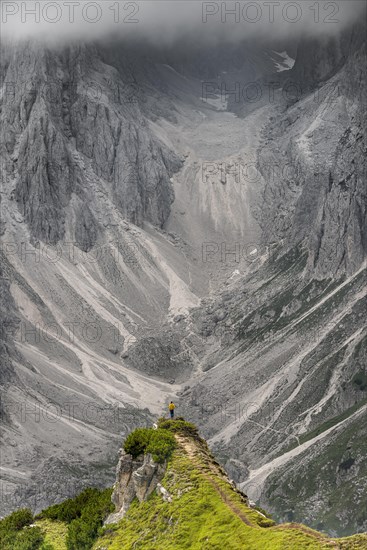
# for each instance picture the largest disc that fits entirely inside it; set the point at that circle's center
(8, 328)
(318, 59)
(135, 478)
(80, 157)
(315, 175)
(68, 131)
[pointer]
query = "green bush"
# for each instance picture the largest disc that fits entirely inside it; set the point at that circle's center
(179, 426)
(29, 538)
(72, 508)
(137, 441)
(84, 513)
(15, 533)
(17, 520)
(161, 445)
(66, 511)
(83, 531)
(158, 442)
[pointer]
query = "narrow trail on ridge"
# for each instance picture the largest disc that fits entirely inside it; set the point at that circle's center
(193, 453)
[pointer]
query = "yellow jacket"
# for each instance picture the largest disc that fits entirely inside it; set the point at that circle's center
(171, 406)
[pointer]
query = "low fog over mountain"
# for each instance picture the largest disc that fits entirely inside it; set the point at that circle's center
(165, 22)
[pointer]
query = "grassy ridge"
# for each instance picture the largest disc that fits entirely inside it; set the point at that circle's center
(206, 512)
(199, 518)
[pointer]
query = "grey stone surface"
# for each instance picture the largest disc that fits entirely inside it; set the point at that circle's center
(134, 479)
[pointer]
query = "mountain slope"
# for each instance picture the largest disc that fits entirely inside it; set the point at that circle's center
(124, 204)
(313, 159)
(91, 138)
(278, 368)
(195, 506)
(281, 352)
(205, 512)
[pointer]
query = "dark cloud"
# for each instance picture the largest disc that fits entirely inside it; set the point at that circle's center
(164, 21)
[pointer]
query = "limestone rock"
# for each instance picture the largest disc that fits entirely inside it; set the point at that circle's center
(135, 478)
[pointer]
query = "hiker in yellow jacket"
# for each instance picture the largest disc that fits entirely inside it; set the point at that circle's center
(171, 408)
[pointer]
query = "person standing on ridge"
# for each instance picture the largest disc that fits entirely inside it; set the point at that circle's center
(171, 408)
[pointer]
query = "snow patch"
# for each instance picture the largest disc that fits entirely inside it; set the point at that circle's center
(219, 102)
(285, 64)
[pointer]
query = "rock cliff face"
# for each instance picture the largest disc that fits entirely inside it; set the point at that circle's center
(58, 105)
(134, 479)
(281, 388)
(81, 159)
(319, 59)
(283, 350)
(313, 158)
(9, 326)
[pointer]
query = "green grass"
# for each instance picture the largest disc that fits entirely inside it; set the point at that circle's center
(197, 519)
(206, 513)
(159, 443)
(179, 425)
(54, 532)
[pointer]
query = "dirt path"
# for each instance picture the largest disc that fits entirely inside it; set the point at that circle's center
(193, 453)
